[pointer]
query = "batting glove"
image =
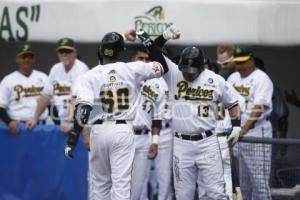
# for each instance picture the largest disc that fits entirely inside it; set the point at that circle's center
(234, 135)
(143, 37)
(71, 143)
(69, 152)
(172, 32)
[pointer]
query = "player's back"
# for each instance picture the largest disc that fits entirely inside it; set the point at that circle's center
(116, 87)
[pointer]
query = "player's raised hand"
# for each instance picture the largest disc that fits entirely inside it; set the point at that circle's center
(30, 124)
(69, 152)
(130, 35)
(13, 127)
(172, 32)
(234, 135)
(153, 150)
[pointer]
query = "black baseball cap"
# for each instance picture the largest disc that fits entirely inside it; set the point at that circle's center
(242, 54)
(66, 43)
(24, 48)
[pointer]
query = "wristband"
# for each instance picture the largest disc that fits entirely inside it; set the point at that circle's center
(155, 139)
(236, 122)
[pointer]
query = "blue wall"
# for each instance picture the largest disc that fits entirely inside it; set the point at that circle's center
(33, 166)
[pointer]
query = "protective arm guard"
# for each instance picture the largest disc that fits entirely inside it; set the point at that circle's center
(81, 116)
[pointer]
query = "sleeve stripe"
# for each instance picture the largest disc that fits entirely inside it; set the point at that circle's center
(84, 102)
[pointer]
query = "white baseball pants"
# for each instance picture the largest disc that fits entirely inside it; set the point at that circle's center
(226, 165)
(163, 169)
(111, 158)
(141, 166)
(198, 162)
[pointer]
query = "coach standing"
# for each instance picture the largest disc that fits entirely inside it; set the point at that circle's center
(255, 159)
(20, 90)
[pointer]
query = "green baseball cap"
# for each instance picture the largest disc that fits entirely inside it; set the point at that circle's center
(242, 53)
(66, 43)
(24, 49)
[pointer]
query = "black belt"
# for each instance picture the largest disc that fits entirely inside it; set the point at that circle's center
(99, 121)
(222, 134)
(141, 132)
(193, 137)
(40, 122)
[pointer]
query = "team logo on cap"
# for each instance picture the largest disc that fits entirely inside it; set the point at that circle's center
(238, 50)
(190, 61)
(108, 52)
(26, 47)
(210, 80)
(64, 42)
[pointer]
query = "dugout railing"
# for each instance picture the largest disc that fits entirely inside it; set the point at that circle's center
(285, 166)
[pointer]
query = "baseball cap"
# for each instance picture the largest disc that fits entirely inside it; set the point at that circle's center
(242, 54)
(66, 43)
(23, 49)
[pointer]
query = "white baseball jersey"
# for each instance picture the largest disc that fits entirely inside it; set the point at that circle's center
(255, 159)
(257, 89)
(61, 85)
(115, 88)
(195, 103)
(19, 94)
(223, 117)
(152, 103)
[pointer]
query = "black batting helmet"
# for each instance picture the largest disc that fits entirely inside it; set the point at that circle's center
(192, 60)
(112, 45)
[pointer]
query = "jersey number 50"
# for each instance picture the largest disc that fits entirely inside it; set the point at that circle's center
(114, 99)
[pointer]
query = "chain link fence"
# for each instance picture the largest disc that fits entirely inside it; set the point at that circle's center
(284, 165)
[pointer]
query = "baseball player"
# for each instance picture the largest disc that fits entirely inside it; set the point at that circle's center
(196, 156)
(20, 90)
(150, 113)
(223, 128)
(227, 67)
(255, 159)
(115, 87)
(62, 77)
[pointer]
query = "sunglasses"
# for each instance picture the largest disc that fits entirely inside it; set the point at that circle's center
(240, 62)
(66, 51)
(225, 62)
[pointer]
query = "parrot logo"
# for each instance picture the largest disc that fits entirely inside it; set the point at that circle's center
(156, 12)
(238, 50)
(26, 47)
(64, 42)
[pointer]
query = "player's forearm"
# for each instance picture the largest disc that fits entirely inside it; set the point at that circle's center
(160, 41)
(81, 116)
(155, 130)
(235, 112)
(42, 104)
(4, 116)
(254, 115)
